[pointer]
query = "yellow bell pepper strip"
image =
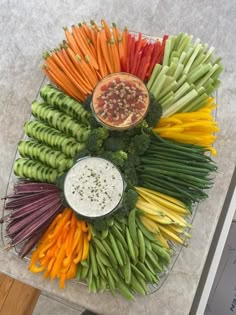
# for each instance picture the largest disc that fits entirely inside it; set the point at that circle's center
(191, 127)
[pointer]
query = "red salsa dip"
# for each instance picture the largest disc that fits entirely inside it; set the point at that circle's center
(120, 101)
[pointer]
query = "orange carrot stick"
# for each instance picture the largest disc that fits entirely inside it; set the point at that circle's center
(107, 29)
(87, 87)
(115, 56)
(94, 38)
(125, 40)
(94, 25)
(88, 71)
(101, 63)
(116, 33)
(62, 85)
(71, 41)
(120, 48)
(87, 30)
(83, 44)
(105, 50)
(64, 76)
(77, 64)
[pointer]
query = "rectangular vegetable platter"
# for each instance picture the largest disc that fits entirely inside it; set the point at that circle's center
(13, 179)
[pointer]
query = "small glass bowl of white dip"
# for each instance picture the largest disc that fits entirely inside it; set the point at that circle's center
(94, 187)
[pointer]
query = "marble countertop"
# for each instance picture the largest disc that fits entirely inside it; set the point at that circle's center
(29, 27)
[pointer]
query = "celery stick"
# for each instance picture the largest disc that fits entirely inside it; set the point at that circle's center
(158, 78)
(168, 102)
(182, 91)
(161, 82)
(192, 58)
(171, 87)
(210, 89)
(167, 52)
(174, 56)
(218, 60)
(182, 57)
(198, 61)
(208, 55)
(213, 87)
(181, 81)
(199, 57)
(200, 99)
(201, 90)
(198, 72)
(173, 38)
(185, 42)
(216, 84)
(189, 52)
(155, 72)
(207, 76)
(178, 71)
(181, 103)
(166, 97)
(209, 82)
(172, 69)
(200, 105)
(217, 73)
(178, 40)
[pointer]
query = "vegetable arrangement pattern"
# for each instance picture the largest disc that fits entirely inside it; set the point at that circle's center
(164, 159)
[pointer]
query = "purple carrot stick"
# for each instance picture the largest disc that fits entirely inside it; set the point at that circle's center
(20, 224)
(34, 226)
(26, 199)
(23, 211)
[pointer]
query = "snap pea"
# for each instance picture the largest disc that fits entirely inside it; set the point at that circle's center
(124, 290)
(103, 258)
(127, 271)
(111, 255)
(116, 232)
(116, 250)
(145, 271)
(130, 244)
(137, 271)
(121, 251)
(142, 250)
(136, 285)
(93, 260)
(101, 267)
(161, 252)
(111, 281)
(100, 245)
(132, 225)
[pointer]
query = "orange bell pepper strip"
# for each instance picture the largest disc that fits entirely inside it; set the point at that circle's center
(58, 263)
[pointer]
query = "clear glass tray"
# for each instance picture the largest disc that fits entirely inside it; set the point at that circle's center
(12, 179)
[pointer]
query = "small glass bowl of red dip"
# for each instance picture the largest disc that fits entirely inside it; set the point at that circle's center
(120, 101)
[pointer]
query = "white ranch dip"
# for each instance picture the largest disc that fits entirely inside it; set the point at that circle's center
(93, 187)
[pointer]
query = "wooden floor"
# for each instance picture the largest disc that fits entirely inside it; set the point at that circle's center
(16, 298)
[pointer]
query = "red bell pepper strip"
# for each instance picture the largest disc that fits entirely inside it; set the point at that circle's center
(131, 55)
(154, 57)
(137, 50)
(160, 57)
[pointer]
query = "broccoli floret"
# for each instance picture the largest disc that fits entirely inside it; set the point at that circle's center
(131, 177)
(154, 112)
(116, 143)
(96, 138)
(118, 157)
(139, 144)
(130, 199)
